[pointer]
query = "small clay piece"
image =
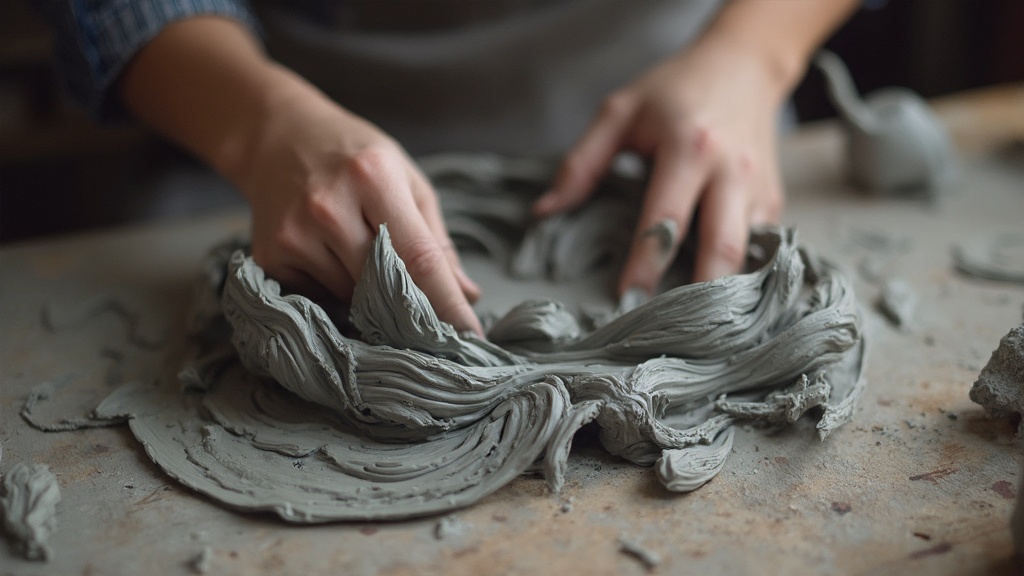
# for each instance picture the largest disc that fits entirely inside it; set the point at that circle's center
(448, 527)
(1000, 386)
(998, 256)
(894, 141)
(201, 562)
(56, 319)
(31, 494)
(47, 390)
(687, 470)
(649, 559)
(898, 302)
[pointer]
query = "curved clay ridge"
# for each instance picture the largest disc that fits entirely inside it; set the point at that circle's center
(393, 414)
(396, 415)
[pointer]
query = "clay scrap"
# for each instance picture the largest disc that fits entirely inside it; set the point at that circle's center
(1000, 385)
(897, 302)
(998, 256)
(386, 412)
(30, 498)
(895, 142)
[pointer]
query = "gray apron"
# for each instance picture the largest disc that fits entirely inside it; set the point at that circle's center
(509, 76)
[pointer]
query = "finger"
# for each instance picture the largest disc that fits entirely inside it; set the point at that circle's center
(723, 229)
(324, 267)
(677, 177)
(588, 160)
(424, 257)
(427, 201)
(769, 199)
(337, 256)
(428, 267)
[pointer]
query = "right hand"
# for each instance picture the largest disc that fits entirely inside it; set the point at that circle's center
(320, 181)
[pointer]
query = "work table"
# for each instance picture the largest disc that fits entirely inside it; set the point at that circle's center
(920, 481)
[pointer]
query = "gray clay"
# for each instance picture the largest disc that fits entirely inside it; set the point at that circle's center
(1000, 386)
(648, 558)
(897, 302)
(59, 318)
(448, 527)
(390, 413)
(689, 469)
(30, 498)
(998, 256)
(200, 563)
(894, 141)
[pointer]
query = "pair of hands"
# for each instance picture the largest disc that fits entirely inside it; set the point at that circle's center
(320, 180)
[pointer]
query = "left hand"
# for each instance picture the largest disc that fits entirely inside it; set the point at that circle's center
(707, 120)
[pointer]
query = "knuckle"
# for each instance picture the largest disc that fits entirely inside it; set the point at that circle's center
(701, 139)
(370, 164)
(424, 258)
(321, 206)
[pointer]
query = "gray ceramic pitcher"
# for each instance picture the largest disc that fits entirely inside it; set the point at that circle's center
(895, 143)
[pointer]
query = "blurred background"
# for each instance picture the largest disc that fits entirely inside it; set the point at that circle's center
(61, 172)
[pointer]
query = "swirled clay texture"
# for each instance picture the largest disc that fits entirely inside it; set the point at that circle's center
(390, 413)
(29, 505)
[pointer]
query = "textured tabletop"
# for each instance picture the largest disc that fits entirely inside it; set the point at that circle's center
(920, 481)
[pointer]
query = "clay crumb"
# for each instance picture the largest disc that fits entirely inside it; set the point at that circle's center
(447, 527)
(648, 558)
(1000, 385)
(897, 302)
(30, 497)
(200, 563)
(993, 256)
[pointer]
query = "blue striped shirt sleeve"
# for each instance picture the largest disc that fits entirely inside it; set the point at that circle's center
(95, 39)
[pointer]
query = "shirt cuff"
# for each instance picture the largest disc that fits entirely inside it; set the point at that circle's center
(108, 38)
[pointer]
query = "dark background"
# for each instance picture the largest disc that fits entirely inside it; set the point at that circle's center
(59, 172)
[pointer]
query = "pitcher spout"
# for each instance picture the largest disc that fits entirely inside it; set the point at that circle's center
(843, 93)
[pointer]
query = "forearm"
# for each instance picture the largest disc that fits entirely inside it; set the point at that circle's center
(782, 34)
(206, 84)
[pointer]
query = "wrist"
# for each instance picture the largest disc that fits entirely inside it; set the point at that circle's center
(272, 94)
(779, 37)
(779, 64)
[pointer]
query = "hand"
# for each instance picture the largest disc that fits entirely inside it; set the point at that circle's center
(320, 181)
(707, 121)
